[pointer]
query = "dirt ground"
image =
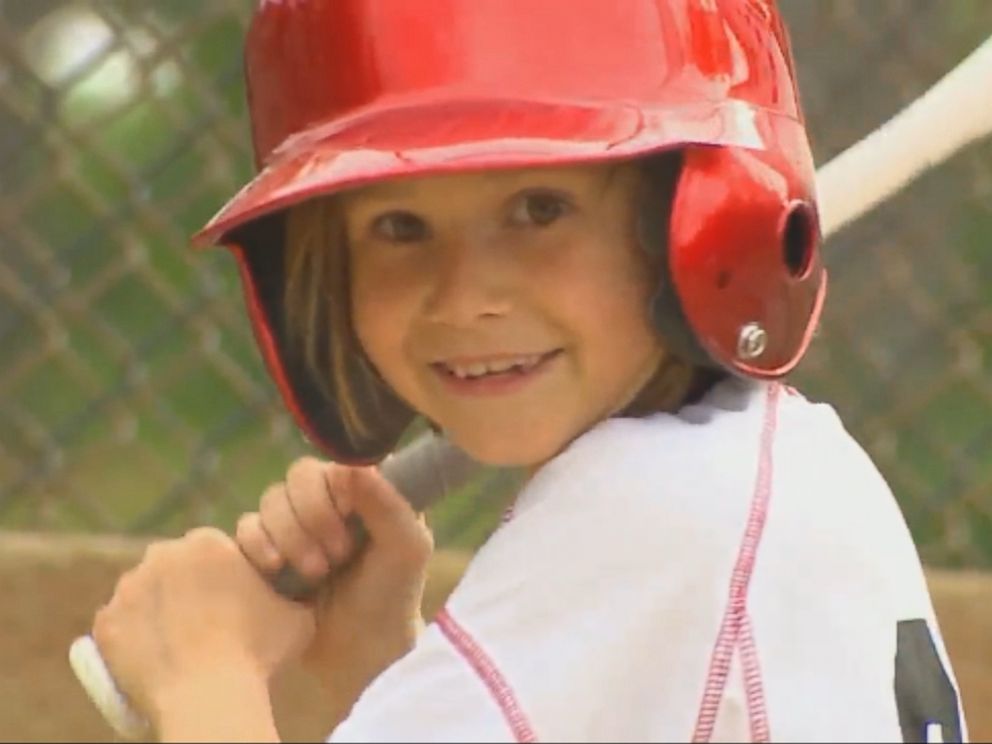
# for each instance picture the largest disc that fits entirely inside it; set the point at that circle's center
(51, 587)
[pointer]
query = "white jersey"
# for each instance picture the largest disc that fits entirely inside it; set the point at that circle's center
(737, 572)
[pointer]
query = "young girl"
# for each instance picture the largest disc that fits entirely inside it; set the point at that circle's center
(579, 238)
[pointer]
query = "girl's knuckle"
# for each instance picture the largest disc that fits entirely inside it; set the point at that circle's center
(272, 496)
(103, 629)
(302, 467)
(247, 526)
(155, 552)
(201, 534)
(126, 586)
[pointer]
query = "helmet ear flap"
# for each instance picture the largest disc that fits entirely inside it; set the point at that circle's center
(744, 258)
(736, 240)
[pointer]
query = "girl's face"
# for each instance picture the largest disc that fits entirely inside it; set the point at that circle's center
(508, 307)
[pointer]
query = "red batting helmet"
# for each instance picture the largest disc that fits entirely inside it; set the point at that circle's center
(347, 92)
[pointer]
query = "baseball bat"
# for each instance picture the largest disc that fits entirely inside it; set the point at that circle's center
(953, 113)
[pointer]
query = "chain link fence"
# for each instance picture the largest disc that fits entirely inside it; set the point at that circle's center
(131, 395)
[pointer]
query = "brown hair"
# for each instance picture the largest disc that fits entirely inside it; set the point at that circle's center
(317, 309)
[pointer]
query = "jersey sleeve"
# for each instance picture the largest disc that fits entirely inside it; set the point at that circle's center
(842, 640)
(432, 694)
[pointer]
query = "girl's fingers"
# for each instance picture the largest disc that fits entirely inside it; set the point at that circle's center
(298, 548)
(255, 543)
(313, 502)
(302, 521)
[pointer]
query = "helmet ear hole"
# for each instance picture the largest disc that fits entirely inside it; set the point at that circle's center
(799, 237)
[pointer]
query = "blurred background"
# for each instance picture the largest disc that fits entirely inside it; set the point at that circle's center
(132, 398)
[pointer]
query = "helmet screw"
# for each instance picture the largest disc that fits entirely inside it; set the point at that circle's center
(752, 341)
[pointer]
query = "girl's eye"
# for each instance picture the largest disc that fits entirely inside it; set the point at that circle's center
(540, 208)
(400, 227)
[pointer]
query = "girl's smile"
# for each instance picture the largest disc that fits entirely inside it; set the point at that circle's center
(494, 374)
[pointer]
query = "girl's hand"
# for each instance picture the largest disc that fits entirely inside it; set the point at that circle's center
(193, 619)
(368, 606)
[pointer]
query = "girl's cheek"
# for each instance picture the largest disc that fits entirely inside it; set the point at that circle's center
(394, 270)
(382, 305)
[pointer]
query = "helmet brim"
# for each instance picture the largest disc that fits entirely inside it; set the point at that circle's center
(400, 141)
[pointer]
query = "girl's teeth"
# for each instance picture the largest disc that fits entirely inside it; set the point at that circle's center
(480, 369)
(477, 370)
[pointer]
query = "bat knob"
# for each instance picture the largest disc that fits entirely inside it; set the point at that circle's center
(93, 675)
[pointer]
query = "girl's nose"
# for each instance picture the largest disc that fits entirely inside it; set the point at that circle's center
(468, 283)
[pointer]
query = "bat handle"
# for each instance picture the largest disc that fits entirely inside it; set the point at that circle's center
(423, 471)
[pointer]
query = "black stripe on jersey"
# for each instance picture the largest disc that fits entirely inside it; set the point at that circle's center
(924, 693)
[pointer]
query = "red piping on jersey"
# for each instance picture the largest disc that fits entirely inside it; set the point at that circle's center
(754, 689)
(490, 675)
(735, 630)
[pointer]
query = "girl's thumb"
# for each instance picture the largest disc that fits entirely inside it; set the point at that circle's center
(396, 533)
